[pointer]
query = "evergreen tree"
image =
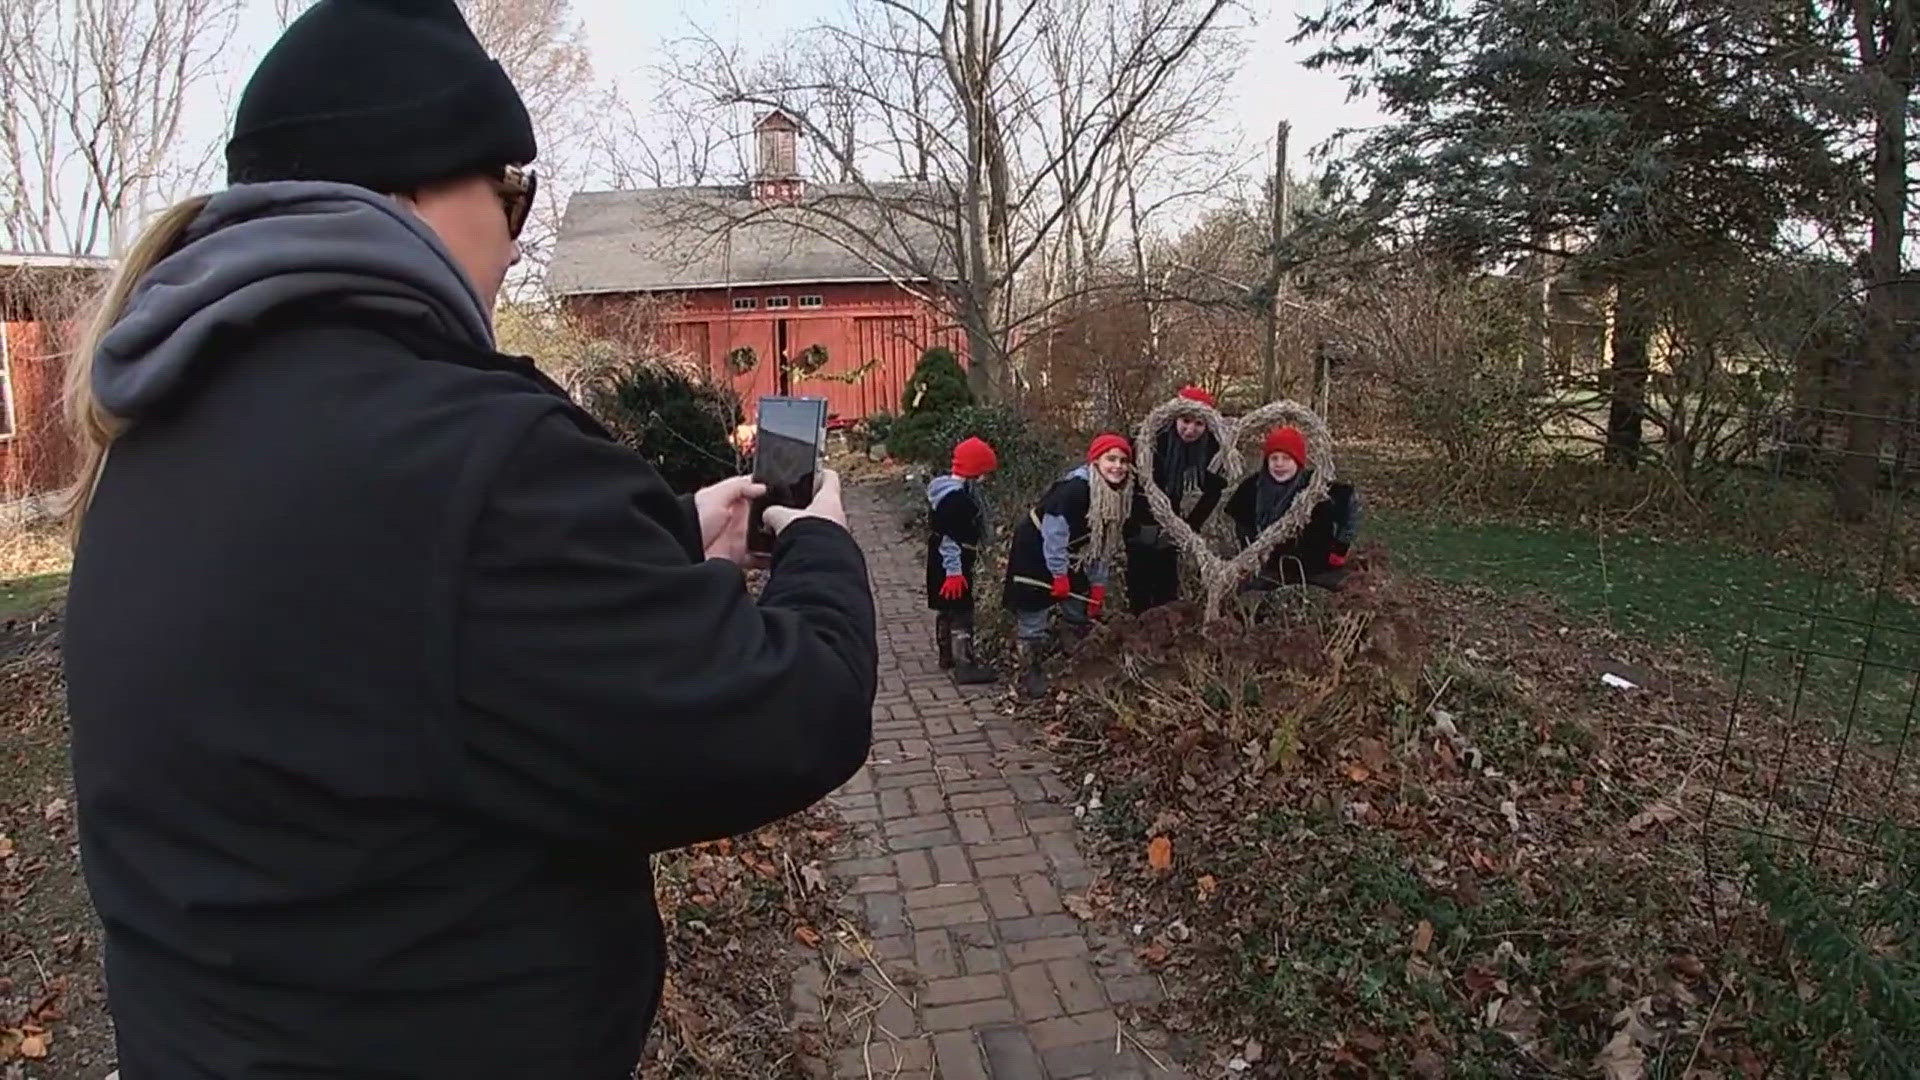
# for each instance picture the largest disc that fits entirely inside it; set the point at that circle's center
(1629, 138)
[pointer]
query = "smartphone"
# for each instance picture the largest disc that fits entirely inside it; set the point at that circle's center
(787, 451)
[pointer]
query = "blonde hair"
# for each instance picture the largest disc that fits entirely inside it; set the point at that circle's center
(94, 428)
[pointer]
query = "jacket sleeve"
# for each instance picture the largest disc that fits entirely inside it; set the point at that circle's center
(1055, 537)
(617, 691)
(1212, 485)
(1346, 524)
(1240, 509)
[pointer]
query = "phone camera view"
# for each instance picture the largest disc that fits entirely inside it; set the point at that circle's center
(785, 458)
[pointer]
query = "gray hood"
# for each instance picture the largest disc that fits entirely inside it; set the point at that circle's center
(941, 487)
(257, 247)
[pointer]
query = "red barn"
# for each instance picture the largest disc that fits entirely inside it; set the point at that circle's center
(39, 295)
(776, 286)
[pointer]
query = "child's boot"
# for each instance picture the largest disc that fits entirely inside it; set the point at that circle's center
(968, 671)
(943, 639)
(1033, 677)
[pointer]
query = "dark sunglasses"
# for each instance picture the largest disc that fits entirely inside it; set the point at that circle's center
(517, 187)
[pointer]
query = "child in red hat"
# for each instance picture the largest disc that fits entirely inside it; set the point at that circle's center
(1063, 547)
(1183, 457)
(957, 523)
(1318, 555)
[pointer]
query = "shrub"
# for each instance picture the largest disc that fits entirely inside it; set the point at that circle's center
(1447, 352)
(938, 384)
(1842, 996)
(683, 427)
(937, 389)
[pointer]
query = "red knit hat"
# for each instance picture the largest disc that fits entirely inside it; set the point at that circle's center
(1288, 441)
(1194, 393)
(974, 457)
(1109, 441)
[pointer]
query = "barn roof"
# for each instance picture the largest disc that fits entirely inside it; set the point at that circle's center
(673, 239)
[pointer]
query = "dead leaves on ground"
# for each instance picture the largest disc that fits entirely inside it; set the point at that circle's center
(1443, 849)
(736, 912)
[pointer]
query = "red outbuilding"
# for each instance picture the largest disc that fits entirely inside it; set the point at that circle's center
(775, 286)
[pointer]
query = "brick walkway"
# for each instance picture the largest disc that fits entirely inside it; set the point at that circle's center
(958, 958)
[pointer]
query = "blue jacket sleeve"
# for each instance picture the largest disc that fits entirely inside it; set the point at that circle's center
(1055, 536)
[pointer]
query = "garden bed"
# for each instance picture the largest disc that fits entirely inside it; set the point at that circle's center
(1410, 831)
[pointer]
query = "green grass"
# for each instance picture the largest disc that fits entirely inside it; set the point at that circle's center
(28, 595)
(1751, 611)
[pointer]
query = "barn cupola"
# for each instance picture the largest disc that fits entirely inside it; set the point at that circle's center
(776, 177)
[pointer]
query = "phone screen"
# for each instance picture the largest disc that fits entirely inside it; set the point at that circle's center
(786, 455)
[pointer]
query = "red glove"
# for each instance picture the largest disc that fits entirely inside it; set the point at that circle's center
(954, 587)
(1096, 599)
(1336, 560)
(1061, 586)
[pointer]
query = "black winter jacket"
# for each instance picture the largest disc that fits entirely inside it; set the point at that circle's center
(388, 671)
(1330, 528)
(1212, 486)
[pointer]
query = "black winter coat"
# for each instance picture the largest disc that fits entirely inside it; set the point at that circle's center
(1069, 498)
(388, 672)
(1196, 513)
(956, 516)
(1330, 528)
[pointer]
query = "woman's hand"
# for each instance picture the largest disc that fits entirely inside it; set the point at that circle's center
(825, 504)
(723, 509)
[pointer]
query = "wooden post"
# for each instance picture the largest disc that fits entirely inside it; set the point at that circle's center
(1270, 368)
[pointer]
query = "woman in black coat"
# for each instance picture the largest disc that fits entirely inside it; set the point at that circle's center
(1318, 556)
(388, 669)
(1183, 455)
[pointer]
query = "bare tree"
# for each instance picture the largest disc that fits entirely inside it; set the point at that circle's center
(92, 98)
(672, 144)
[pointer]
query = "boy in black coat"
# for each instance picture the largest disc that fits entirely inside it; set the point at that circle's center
(1062, 549)
(1318, 556)
(1183, 456)
(956, 524)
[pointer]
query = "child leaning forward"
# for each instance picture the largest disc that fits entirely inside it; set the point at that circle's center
(1062, 550)
(956, 524)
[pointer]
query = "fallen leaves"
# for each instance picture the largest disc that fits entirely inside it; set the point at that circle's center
(1354, 896)
(34, 1046)
(807, 936)
(1160, 854)
(29, 1041)
(1657, 813)
(1622, 1058)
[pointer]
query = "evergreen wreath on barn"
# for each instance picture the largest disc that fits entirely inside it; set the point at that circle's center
(811, 360)
(742, 360)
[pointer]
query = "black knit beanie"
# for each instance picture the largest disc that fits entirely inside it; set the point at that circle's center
(387, 94)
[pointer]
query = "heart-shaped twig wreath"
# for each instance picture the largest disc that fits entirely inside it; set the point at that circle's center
(1218, 576)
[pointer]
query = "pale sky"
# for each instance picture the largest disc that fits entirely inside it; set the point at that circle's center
(627, 35)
